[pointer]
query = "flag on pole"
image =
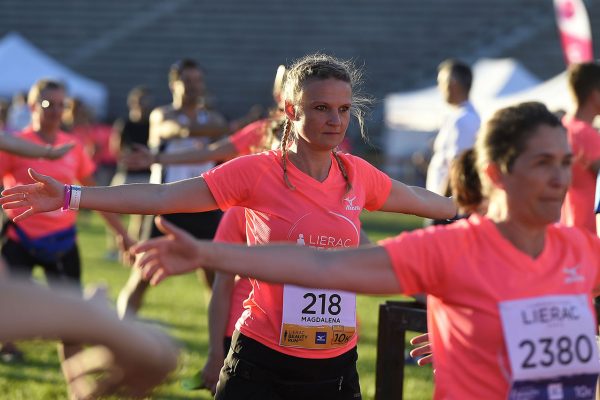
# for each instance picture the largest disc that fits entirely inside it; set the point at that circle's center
(574, 29)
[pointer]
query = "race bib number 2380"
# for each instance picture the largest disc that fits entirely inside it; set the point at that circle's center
(552, 347)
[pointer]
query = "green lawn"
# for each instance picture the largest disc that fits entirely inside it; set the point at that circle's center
(179, 305)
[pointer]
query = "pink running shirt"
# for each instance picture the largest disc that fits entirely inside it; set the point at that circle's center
(74, 166)
(467, 268)
(578, 207)
(232, 229)
(317, 214)
(250, 138)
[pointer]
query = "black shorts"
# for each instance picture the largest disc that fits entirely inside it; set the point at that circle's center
(253, 371)
(66, 271)
(200, 225)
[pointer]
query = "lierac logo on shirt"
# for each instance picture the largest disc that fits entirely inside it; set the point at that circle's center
(350, 204)
(322, 241)
(324, 230)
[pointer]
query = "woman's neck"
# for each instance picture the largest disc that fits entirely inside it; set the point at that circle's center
(315, 164)
(527, 238)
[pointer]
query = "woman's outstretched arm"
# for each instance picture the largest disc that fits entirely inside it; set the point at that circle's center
(367, 269)
(48, 194)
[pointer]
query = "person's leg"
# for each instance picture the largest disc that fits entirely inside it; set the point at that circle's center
(252, 370)
(201, 225)
(65, 274)
(236, 385)
(131, 295)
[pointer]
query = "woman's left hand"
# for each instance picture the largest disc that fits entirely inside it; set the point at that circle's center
(46, 194)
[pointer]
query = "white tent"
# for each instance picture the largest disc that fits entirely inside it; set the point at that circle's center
(554, 93)
(22, 64)
(423, 110)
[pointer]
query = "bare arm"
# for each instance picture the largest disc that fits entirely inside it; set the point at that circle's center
(47, 194)
(418, 201)
(142, 158)
(130, 359)
(366, 269)
(163, 125)
(218, 315)
(24, 148)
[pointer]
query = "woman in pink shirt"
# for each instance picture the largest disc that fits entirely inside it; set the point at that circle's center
(510, 293)
(291, 342)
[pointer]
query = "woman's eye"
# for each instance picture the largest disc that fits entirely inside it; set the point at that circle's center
(344, 109)
(321, 108)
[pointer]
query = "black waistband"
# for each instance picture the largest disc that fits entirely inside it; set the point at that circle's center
(275, 366)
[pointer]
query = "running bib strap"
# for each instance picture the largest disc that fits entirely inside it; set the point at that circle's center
(552, 347)
(317, 318)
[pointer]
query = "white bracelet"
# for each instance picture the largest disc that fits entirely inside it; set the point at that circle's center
(75, 197)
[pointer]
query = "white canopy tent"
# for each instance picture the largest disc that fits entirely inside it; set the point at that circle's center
(23, 64)
(554, 93)
(423, 110)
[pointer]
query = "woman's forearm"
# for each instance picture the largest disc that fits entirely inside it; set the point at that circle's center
(366, 269)
(187, 196)
(221, 150)
(23, 148)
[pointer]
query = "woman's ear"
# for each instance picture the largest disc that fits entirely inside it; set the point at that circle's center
(290, 111)
(494, 174)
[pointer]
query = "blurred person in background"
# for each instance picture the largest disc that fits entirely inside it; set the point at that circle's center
(19, 115)
(460, 128)
(130, 133)
(184, 124)
(584, 84)
(49, 240)
(4, 106)
(79, 121)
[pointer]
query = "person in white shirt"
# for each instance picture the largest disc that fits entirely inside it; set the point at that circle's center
(459, 129)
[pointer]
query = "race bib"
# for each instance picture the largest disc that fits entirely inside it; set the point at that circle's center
(317, 318)
(552, 347)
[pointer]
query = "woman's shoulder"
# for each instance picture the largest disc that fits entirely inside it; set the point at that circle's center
(573, 235)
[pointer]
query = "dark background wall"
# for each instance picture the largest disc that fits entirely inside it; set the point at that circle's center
(123, 43)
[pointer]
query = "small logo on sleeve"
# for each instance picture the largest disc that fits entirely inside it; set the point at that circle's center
(572, 274)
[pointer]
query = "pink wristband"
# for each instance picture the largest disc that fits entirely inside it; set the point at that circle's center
(67, 199)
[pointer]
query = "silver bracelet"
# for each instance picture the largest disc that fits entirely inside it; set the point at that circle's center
(75, 197)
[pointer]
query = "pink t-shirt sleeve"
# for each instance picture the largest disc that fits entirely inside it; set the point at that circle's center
(377, 185)
(586, 146)
(232, 227)
(594, 243)
(5, 163)
(249, 139)
(420, 259)
(233, 183)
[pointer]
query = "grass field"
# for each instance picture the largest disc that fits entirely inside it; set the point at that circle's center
(179, 305)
